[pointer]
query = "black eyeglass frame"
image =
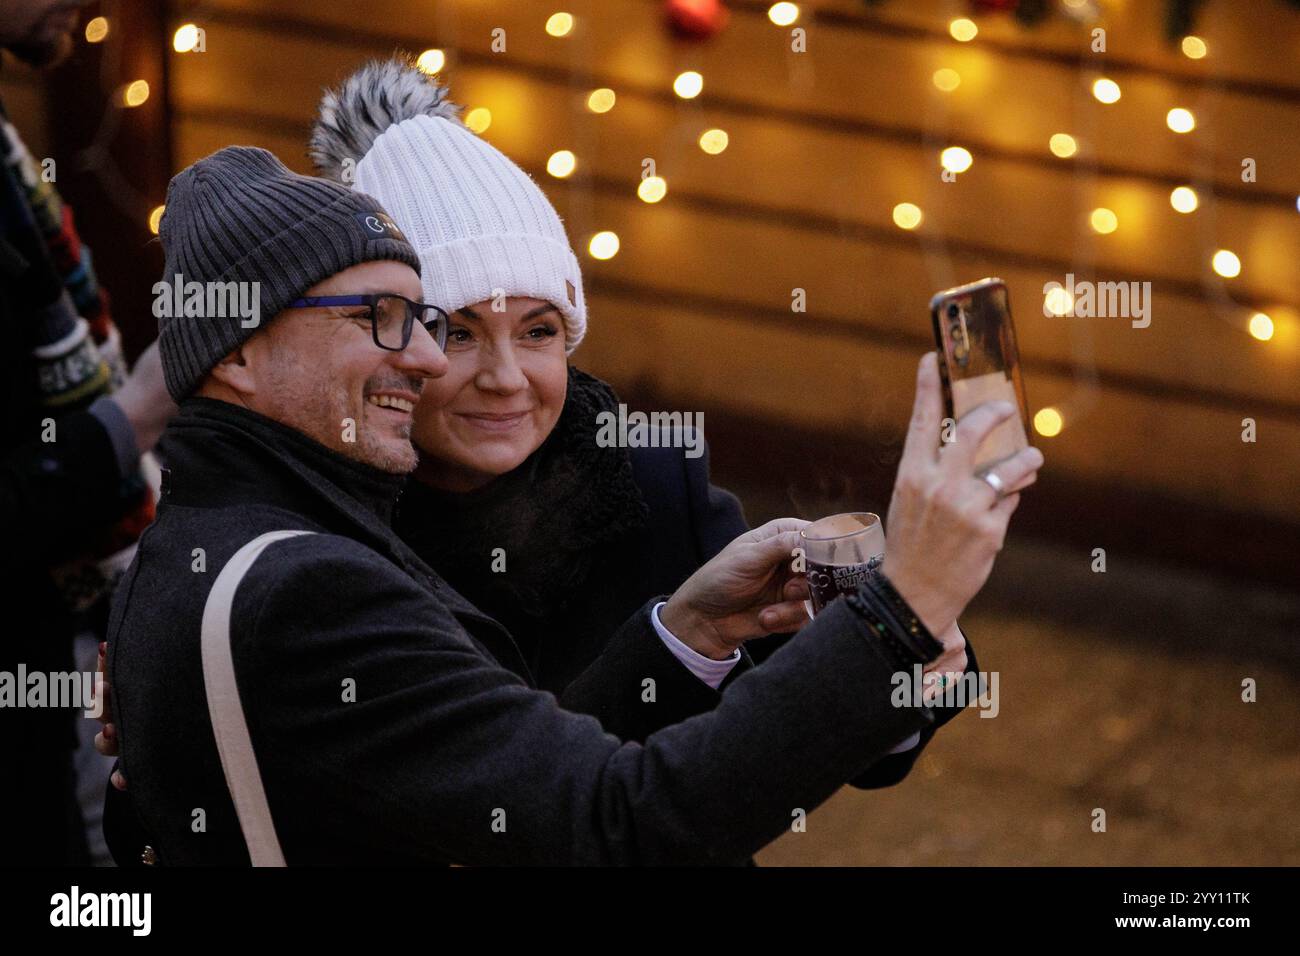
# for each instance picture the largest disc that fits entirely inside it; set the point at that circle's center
(441, 321)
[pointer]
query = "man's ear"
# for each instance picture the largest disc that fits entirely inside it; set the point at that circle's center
(235, 373)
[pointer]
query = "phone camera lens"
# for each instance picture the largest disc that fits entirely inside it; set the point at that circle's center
(953, 310)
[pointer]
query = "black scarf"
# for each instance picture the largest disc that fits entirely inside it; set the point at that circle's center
(549, 515)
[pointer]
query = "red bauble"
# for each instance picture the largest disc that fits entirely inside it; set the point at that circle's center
(695, 19)
(993, 6)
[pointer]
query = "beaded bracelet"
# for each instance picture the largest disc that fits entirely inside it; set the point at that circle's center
(898, 652)
(913, 629)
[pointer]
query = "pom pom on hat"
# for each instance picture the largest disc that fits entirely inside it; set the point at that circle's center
(381, 94)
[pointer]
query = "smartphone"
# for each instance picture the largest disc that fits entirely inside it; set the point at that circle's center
(978, 362)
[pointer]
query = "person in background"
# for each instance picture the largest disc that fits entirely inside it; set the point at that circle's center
(73, 494)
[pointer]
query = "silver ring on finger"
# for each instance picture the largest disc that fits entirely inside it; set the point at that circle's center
(993, 481)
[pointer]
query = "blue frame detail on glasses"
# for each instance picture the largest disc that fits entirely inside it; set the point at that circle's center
(437, 328)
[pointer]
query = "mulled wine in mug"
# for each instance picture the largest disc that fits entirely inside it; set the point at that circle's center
(840, 552)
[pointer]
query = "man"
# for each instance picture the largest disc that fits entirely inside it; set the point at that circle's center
(72, 498)
(389, 721)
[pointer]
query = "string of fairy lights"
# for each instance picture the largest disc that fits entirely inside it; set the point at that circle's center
(906, 215)
(1102, 220)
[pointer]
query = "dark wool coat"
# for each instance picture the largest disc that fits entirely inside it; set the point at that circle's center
(446, 735)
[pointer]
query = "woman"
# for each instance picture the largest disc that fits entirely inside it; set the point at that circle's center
(515, 501)
(520, 508)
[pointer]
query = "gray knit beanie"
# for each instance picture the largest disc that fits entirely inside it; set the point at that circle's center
(242, 216)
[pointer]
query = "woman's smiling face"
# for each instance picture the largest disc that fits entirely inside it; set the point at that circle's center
(501, 396)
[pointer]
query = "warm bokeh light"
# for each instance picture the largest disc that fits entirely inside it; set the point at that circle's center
(135, 93)
(688, 85)
(601, 100)
(652, 189)
(1184, 199)
(431, 61)
(1180, 120)
(907, 215)
(1226, 264)
(603, 245)
(1048, 422)
(1059, 301)
(1106, 90)
(714, 141)
(956, 159)
(963, 30)
(946, 79)
(96, 29)
(185, 38)
(783, 14)
(561, 163)
(478, 119)
(1103, 220)
(1062, 145)
(1261, 326)
(559, 24)
(1194, 47)
(155, 218)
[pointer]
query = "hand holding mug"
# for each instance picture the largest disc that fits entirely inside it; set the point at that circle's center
(748, 590)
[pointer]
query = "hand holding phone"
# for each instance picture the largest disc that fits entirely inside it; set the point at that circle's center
(945, 527)
(979, 362)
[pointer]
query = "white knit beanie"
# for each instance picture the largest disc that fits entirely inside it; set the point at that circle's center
(478, 222)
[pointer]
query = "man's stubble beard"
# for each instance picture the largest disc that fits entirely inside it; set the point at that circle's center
(377, 454)
(333, 405)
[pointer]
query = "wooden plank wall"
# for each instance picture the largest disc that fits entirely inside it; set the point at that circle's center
(696, 306)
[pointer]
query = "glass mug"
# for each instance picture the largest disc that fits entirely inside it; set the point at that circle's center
(840, 552)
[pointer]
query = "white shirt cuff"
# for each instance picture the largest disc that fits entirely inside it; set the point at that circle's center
(706, 669)
(907, 744)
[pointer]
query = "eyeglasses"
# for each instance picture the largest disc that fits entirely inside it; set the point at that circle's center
(392, 316)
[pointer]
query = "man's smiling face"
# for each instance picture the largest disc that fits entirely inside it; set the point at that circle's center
(319, 370)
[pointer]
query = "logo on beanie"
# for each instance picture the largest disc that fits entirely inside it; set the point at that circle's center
(379, 225)
(573, 299)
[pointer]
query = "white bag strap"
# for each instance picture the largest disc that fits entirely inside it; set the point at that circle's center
(227, 713)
